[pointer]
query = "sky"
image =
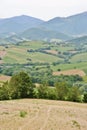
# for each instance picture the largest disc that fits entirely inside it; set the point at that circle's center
(43, 9)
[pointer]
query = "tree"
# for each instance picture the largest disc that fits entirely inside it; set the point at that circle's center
(21, 86)
(5, 92)
(52, 93)
(74, 94)
(43, 91)
(61, 90)
(85, 97)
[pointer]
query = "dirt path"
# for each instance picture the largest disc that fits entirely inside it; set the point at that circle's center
(26, 125)
(46, 119)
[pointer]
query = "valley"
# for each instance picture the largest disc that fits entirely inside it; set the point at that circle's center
(43, 65)
(43, 50)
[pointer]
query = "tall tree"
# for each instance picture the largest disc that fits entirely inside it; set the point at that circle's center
(5, 92)
(61, 90)
(21, 85)
(43, 90)
(74, 94)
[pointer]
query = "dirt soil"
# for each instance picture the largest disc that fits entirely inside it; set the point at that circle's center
(42, 115)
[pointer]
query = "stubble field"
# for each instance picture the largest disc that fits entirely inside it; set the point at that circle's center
(34, 114)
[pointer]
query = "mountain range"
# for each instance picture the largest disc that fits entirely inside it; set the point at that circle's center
(26, 27)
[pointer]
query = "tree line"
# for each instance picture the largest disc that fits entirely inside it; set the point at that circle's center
(21, 86)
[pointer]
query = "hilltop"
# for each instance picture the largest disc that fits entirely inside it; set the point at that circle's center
(37, 114)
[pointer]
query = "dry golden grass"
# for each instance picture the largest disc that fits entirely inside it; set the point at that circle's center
(42, 115)
(70, 72)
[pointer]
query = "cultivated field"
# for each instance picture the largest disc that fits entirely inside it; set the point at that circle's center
(70, 72)
(19, 54)
(34, 114)
(61, 56)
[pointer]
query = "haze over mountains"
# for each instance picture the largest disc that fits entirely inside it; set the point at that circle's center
(26, 27)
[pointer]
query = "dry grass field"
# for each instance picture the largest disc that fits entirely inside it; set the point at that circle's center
(70, 72)
(36, 114)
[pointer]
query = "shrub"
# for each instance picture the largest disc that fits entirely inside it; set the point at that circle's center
(23, 113)
(85, 98)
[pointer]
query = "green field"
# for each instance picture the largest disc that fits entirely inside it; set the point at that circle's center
(15, 56)
(32, 45)
(62, 48)
(81, 65)
(20, 54)
(79, 57)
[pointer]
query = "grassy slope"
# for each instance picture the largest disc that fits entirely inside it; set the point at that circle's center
(14, 56)
(81, 65)
(42, 115)
(19, 54)
(79, 57)
(62, 49)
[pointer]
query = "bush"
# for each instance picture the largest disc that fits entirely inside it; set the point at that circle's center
(85, 98)
(23, 113)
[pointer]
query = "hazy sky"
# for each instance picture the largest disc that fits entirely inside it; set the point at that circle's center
(44, 9)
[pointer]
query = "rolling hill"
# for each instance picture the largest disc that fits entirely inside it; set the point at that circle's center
(43, 34)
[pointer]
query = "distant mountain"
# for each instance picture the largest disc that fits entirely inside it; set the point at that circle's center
(73, 25)
(53, 24)
(63, 28)
(18, 24)
(79, 40)
(43, 34)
